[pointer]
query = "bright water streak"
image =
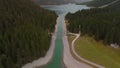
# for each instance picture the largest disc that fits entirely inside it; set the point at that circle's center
(61, 10)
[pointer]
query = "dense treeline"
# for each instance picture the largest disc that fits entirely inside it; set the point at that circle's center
(102, 24)
(24, 32)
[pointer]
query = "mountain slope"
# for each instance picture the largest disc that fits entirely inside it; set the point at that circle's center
(44, 2)
(24, 32)
(115, 6)
(98, 3)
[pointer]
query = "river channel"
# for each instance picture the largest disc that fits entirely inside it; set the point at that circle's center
(61, 11)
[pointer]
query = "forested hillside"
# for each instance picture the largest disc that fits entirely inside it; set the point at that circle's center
(24, 32)
(102, 24)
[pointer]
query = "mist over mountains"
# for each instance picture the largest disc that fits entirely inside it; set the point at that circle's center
(44, 2)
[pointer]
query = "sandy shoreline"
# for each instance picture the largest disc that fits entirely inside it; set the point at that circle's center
(68, 59)
(43, 60)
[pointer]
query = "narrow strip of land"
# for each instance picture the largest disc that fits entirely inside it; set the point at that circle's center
(68, 59)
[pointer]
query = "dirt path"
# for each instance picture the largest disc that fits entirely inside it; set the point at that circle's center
(68, 59)
(81, 58)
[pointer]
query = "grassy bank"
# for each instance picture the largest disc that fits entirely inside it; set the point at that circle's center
(70, 39)
(98, 52)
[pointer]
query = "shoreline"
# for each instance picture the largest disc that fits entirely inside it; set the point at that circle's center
(47, 58)
(68, 59)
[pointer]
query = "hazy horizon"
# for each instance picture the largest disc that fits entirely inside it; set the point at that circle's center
(60, 1)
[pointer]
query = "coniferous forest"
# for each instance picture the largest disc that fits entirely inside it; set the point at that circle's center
(25, 32)
(102, 24)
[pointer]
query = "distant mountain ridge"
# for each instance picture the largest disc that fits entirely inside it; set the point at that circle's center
(115, 6)
(46, 2)
(98, 3)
